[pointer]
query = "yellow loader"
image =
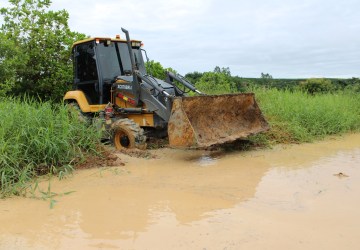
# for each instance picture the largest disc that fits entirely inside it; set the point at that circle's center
(111, 85)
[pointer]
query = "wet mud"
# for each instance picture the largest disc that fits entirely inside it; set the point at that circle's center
(289, 197)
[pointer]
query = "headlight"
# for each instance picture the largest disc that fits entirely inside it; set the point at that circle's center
(135, 44)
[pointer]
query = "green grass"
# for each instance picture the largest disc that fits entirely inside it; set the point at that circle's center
(37, 139)
(297, 117)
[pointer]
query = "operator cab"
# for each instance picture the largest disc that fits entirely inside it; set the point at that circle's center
(98, 62)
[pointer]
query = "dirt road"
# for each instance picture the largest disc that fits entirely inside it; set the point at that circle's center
(294, 197)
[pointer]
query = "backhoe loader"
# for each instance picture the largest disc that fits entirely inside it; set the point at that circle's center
(111, 85)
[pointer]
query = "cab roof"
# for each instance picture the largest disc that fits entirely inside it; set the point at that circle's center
(102, 39)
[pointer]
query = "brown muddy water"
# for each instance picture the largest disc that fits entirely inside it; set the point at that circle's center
(289, 197)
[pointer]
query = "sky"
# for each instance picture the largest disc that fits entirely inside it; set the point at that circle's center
(285, 38)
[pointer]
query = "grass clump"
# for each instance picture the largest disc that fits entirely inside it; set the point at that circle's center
(297, 117)
(37, 138)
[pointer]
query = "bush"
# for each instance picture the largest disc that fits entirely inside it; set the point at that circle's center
(317, 85)
(215, 83)
(38, 138)
(353, 88)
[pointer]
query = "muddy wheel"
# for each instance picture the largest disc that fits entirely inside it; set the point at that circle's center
(128, 134)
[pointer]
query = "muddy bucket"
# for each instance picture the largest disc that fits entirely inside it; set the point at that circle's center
(202, 121)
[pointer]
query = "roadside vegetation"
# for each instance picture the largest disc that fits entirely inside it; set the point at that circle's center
(297, 116)
(38, 138)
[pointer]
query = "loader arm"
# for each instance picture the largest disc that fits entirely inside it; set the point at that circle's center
(144, 92)
(152, 103)
(170, 77)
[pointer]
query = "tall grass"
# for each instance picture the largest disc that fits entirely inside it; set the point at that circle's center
(39, 138)
(296, 116)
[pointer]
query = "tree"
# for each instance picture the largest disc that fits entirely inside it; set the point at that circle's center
(222, 70)
(39, 62)
(266, 79)
(157, 70)
(241, 84)
(9, 60)
(354, 85)
(194, 77)
(216, 83)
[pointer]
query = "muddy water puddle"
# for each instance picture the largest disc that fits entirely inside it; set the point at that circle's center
(294, 197)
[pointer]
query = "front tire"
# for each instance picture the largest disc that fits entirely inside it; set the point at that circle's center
(128, 135)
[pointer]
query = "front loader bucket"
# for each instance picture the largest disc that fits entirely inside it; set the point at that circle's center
(202, 121)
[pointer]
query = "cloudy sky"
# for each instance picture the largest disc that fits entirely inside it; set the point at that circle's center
(285, 38)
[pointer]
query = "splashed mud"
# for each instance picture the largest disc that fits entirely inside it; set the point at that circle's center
(283, 198)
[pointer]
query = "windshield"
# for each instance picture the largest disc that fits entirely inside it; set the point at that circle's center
(115, 60)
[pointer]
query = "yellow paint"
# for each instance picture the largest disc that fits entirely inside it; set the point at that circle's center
(79, 97)
(102, 39)
(122, 103)
(121, 81)
(144, 120)
(97, 108)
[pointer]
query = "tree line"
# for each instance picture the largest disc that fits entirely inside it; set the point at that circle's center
(220, 80)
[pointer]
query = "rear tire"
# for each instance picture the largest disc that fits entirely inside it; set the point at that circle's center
(128, 135)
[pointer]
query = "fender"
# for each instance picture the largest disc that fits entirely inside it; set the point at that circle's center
(79, 97)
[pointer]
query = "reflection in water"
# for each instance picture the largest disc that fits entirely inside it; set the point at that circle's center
(231, 200)
(207, 160)
(137, 200)
(199, 157)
